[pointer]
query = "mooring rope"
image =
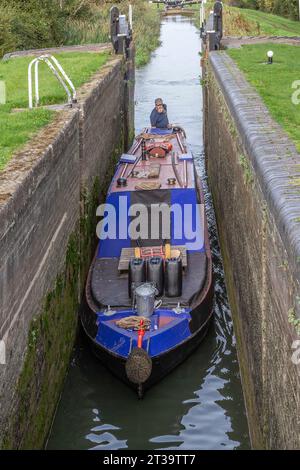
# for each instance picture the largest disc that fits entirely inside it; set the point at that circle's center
(133, 323)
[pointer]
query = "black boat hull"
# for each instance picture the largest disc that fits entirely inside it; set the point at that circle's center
(161, 365)
(157, 367)
(164, 363)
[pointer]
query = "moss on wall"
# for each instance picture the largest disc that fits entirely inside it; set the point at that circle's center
(52, 332)
(50, 342)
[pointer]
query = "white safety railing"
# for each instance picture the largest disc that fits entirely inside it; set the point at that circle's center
(57, 71)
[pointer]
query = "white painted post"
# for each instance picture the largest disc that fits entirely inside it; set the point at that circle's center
(201, 24)
(2, 92)
(130, 16)
(2, 353)
(200, 15)
(202, 11)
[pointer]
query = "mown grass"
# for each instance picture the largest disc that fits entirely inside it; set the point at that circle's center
(18, 127)
(274, 82)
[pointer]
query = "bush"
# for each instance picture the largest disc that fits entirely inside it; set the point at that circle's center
(95, 27)
(31, 24)
(287, 8)
(244, 3)
(7, 38)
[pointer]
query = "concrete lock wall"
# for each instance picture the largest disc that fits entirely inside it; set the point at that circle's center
(253, 171)
(48, 196)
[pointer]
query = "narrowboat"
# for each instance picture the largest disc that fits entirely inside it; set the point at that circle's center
(149, 292)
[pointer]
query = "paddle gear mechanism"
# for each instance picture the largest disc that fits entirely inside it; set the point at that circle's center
(212, 30)
(120, 31)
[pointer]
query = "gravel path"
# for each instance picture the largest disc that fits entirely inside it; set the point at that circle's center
(55, 50)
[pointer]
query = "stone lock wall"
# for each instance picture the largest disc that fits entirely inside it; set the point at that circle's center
(101, 124)
(48, 195)
(252, 168)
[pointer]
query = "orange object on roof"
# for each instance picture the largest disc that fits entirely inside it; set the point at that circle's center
(152, 252)
(159, 149)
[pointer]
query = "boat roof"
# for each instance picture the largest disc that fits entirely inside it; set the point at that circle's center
(157, 137)
(109, 280)
(165, 177)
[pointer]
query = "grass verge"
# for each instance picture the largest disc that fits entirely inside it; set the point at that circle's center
(18, 127)
(246, 22)
(274, 82)
(257, 23)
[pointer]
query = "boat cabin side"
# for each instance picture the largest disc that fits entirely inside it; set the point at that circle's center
(158, 233)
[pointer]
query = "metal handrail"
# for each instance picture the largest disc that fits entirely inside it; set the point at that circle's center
(69, 81)
(56, 69)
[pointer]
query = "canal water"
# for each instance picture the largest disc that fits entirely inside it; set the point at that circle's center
(200, 405)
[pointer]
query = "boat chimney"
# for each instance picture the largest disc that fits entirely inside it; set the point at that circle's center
(143, 150)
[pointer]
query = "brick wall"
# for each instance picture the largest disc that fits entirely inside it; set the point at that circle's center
(251, 165)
